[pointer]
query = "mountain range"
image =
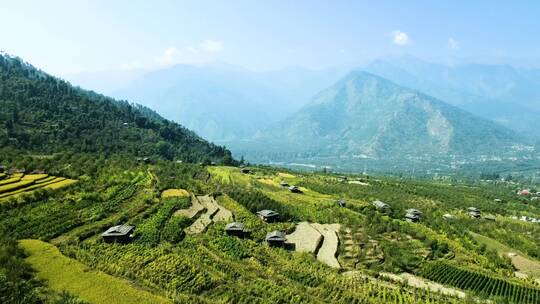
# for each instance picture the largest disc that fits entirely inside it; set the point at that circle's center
(367, 116)
(223, 102)
(262, 115)
(507, 95)
(220, 102)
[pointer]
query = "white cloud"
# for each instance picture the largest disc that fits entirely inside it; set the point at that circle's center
(134, 65)
(200, 53)
(401, 38)
(168, 56)
(211, 46)
(453, 44)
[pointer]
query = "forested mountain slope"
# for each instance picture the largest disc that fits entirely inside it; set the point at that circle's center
(44, 114)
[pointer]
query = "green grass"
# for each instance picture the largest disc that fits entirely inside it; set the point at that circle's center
(64, 274)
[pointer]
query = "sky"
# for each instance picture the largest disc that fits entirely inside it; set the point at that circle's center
(67, 37)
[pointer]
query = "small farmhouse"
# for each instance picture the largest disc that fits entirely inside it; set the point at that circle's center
(342, 203)
(380, 205)
(268, 216)
(295, 189)
(524, 192)
(275, 239)
(284, 184)
(245, 170)
(413, 215)
(473, 212)
(118, 234)
(235, 229)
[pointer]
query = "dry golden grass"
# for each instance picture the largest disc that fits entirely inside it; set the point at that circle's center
(175, 193)
(64, 274)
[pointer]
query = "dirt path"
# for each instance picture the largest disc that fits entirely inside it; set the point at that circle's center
(191, 212)
(305, 237)
(328, 250)
(418, 282)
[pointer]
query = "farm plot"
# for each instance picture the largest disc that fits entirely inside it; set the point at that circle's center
(446, 273)
(328, 250)
(174, 193)
(64, 274)
(306, 238)
(192, 211)
(213, 212)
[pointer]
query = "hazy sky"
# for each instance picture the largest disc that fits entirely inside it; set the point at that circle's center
(74, 36)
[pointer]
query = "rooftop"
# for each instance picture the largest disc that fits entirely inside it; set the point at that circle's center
(276, 236)
(414, 211)
(267, 213)
(380, 204)
(234, 226)
(118, 230)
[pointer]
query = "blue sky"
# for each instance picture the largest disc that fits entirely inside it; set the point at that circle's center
(65, 37)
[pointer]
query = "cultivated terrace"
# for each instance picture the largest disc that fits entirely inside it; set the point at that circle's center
(342, 249)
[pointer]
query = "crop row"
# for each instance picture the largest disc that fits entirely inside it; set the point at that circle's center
(480, 283)
(150, 230)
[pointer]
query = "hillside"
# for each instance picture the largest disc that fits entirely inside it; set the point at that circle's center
(43, 114)
(52, 245)
(367, 116)
(501, 93)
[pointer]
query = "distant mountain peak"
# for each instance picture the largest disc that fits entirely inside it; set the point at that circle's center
(365, 114)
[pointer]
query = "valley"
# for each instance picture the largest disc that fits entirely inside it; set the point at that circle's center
(166, 259)
(383, 181)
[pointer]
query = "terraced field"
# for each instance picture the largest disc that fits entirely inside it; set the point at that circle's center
(213, 212)
(328, 250)
(306, 238)
(19, 183)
